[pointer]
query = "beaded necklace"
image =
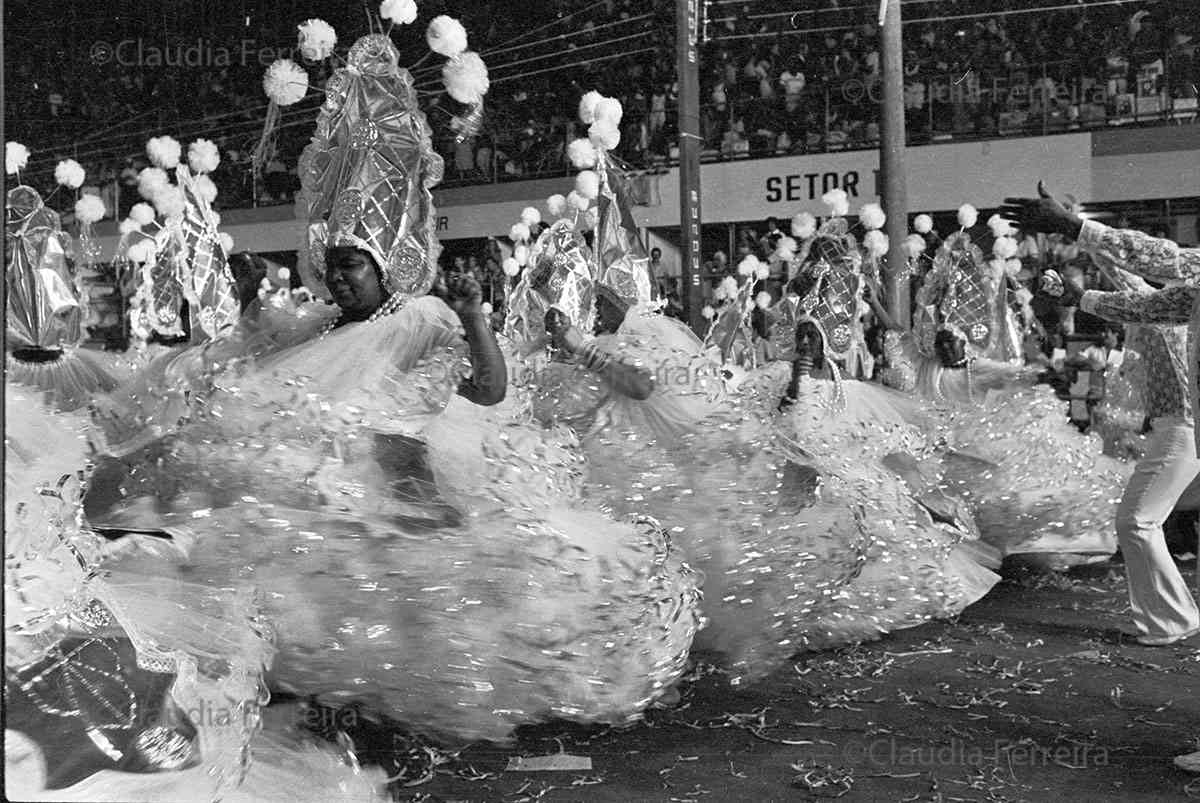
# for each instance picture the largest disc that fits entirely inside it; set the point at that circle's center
(394, 304)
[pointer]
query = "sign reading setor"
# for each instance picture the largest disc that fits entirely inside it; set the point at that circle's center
(811, 186)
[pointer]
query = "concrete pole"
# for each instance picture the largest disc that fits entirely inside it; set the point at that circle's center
(891, 158)
(687, 38)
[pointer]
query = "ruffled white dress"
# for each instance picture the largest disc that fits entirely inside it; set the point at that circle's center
(796, 553)
(407, 560)
(1038, 487)
(124, 682)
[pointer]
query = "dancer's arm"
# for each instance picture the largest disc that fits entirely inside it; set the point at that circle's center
(488, 383)
(1150, 257)
(632, 381)
(871, 294)
(1172, 305)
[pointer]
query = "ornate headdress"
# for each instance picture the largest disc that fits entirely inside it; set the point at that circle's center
(184, 258)
(368, 172)
(830, 265)
(956, 297)
(43, 308)
(559, 276)
(622, 265)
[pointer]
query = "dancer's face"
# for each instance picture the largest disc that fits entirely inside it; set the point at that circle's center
(609, 316)
(950, 348)
(810, 344)
(353, 279)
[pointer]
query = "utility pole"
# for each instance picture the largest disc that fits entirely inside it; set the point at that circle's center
(891, 158)
(687, 37)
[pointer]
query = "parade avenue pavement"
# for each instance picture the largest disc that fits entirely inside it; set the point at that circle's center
(1033, 694)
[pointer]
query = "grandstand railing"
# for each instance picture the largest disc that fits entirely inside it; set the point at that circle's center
(829, 115)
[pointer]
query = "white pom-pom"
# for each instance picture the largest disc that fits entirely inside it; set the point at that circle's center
(127, 226)
(837, 201)
(446, 35)
(748, 265)
(485, 308)
(142, 251)
(466, 78)
(521, 254)
(1012, 267)
(164, 152)
(69, 173)
(203, 156)
(142, 214)
(609, 112)
(762, 272)
(804, 225)
(285, 82)
(923, 224)
(913, 245)
(89, 209)
(226, 242)
(206, 189)
(582, 153)
(511, 266)
(763, 300)
(1000, 227)
(587, 184)
(587, 107)
(577, 201)
(968, 216)
(708, 313)
(16, 156)
(151, 181)
(876, 243)
(169, 202)
(872, 216)
(401, 12)
(728, 288)
(786, 249)
(530, 216)
(317, 39)
(556, 204)
(1004, 248)
(519, 233)
(604, 136)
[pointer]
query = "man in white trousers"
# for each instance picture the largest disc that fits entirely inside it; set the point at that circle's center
(1164, 611)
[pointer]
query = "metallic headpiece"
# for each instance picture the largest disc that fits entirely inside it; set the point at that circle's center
(190, 264)
(368, 171)
(957, 296)
(831, 267)
(559, 276)
(43, 309)
(622, 265)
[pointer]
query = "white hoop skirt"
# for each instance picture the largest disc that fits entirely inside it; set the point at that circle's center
(796, 553)
(404, 559)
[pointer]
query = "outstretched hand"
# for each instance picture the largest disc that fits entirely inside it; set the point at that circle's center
(563, 333)
(1044, 214)
(461, 293)
(1053, 285)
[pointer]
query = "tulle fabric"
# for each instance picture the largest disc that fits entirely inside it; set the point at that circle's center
(1038, 487)
(406, 559)
(792, 553)
(208, 647)
(66, 384)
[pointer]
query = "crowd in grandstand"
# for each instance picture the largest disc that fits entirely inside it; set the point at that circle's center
(774, 81)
